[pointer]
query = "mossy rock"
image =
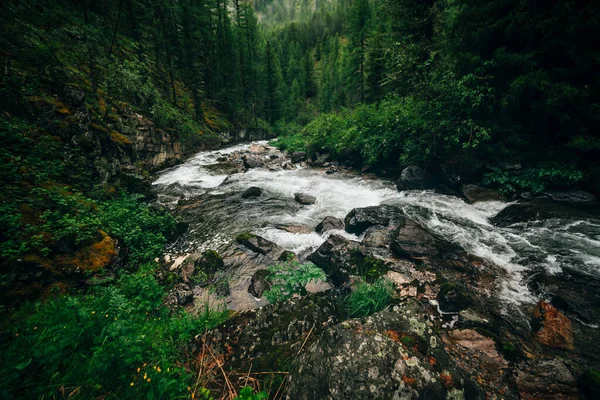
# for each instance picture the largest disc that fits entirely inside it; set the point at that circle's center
(242, 237)
(210, 262)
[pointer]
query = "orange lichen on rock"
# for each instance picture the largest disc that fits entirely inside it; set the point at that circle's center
(90, 258)
(120, 138)
(551, 327)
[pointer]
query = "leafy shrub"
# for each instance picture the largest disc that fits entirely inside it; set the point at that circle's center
(368, 298)
(141, 229)
(291, 278)
(535, 180)
(119, 341)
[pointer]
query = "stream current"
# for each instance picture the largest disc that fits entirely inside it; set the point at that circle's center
(549, 246)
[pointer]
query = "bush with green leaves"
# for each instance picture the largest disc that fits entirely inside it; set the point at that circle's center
(144, 231)
(535, 180)
(290, 278)
(368, 298)
(117, 342)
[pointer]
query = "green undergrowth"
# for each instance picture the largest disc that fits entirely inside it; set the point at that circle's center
(112, 342)
(290, 278)
(368, 298)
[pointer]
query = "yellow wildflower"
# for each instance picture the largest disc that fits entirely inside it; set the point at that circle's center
(131, 384)
(93, 312)
(154, 367)
(158, 369)
(145, 376)
(106, 315)
(148, 379)
(138, 370)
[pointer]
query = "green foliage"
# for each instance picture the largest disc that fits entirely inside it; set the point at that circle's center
(142, 230)
(119, 341)
(368, 298)
(246, 393)
(535, 180)
(290, 279)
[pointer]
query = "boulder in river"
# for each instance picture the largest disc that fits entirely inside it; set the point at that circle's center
(328, 224)
(359, 219)
(339, 258)
(574, 196)
(474, 194)
(298, 156)
(551, 327)
(254, 191)
(252, 162)
(256, 243)
(412, 178)
(411, 240)
(305, 199)
(540, 209)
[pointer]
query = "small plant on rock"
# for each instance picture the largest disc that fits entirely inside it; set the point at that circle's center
(290, 278)
(368, 298)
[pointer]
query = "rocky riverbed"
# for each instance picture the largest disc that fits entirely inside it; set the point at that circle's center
(492, 299)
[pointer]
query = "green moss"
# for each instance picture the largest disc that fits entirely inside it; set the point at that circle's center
(244, 236)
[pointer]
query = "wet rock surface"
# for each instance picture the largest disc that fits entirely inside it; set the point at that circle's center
(252, 192)
(329, 223)
(474, 193)
(359, 219)
(305, 199)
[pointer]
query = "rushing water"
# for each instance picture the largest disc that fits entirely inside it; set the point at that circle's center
(550, 245)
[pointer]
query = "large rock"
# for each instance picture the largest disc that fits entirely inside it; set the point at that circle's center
(259, 283)
(210, 262)
(546, 380)
(551, 327)
(265, 339)
(574, 196)
(474, 193)
(329, 223)
(541, 209)
(298, 156)
(412, 178)
(411, 240)
(256, 243)
(305, 199)
(388, 356)
(223, 168)
(252, 192)
(339, 258)
(252, 162)
(359, 219)
(377, 236)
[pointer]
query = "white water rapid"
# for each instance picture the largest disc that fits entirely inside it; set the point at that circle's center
(548, 245)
